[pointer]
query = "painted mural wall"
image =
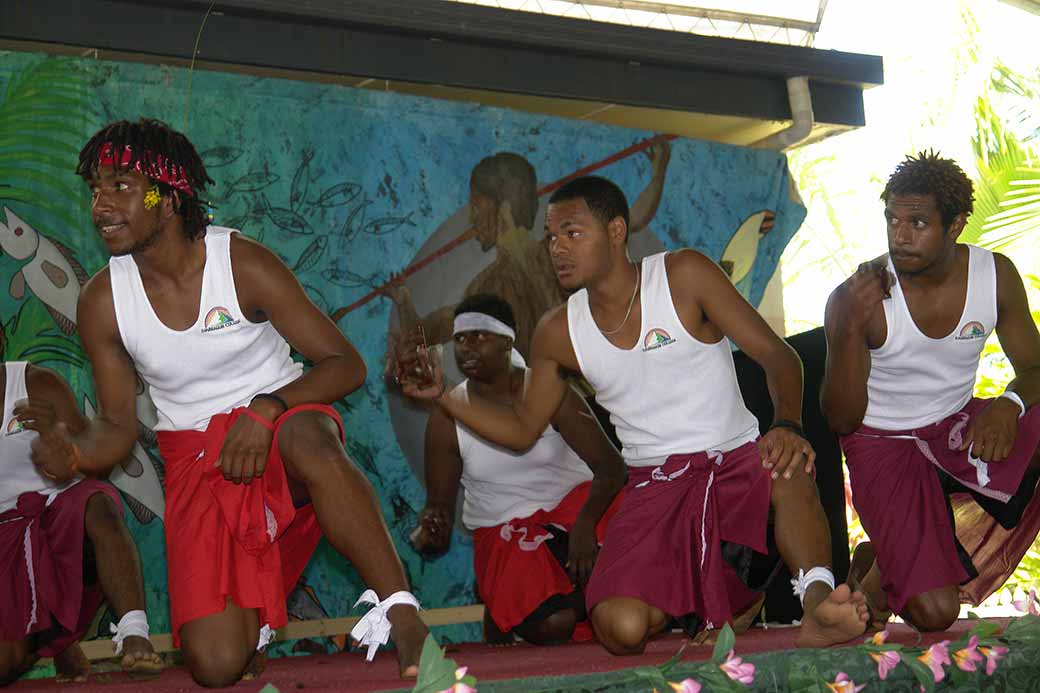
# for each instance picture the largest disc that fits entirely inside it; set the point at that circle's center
(350, 188)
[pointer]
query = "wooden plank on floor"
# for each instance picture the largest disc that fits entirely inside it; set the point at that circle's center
(297, 630)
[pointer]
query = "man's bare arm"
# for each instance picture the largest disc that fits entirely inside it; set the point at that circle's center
(443, 466)
(1017, 332)
(268, 290)
(517, 427)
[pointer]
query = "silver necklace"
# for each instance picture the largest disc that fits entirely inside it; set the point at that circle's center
(631, 302)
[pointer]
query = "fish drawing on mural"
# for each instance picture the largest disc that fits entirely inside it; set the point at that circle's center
(51, 273)
(381, 227)
(220, 156)
(254, 181)
(301, 181)
(311, 255)
(286, 219)
(338, 195)
(345, 278)
(54, 277)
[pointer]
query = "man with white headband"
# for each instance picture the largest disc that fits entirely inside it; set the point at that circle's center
(537, 516)
(652, 339)
(63, 544)
(944, 482)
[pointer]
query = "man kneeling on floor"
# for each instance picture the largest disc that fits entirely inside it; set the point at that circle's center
(943, 482)
(537, 516)
(63, 544)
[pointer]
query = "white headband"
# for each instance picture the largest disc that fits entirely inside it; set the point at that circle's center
(471, 322)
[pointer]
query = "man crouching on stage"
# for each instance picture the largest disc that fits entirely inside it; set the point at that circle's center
(256, 471)
(63, 544)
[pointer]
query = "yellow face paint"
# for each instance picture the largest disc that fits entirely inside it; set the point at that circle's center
(151, 198)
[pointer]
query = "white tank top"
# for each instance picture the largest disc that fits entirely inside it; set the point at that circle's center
(18, 474)
(501, 485)
(214, 366)
(671, 393)
(915, 380)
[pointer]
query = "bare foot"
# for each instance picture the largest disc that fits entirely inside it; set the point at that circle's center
(408, 633)
(837, 618)
(861, 570)
(71, 665)
(256, 666)
(140, 660)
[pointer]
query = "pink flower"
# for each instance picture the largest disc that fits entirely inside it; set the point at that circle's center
(843, 684)
(886, 662)
(1029, 605)
(993, 655)
(934, 658)
(686, 686)
(968, 658)
(460, 686)
(738, 670)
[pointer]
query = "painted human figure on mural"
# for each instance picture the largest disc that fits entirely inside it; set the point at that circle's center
(904, 338)
(662, 366)
(538, 516)
(503, 210)
(206, 317)
(65, 546)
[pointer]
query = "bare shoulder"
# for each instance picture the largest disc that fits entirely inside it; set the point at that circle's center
(249, 256)
(691, 270)
(1006, 270)
(96, 309)
(552, 339)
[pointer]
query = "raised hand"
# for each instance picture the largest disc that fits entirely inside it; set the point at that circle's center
(783, 451)
(54, 453)
(991, 435)
(863, 292)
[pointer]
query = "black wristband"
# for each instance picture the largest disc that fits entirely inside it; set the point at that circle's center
(272, 396)
(790, 425)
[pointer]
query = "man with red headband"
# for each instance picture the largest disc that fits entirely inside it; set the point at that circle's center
(256, 471)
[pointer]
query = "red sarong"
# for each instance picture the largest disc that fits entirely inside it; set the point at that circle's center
(41, 566)
(664, 545)
(516, 571)
(903, 507)
(246, 542)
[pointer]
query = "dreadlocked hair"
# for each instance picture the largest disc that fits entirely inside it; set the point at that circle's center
(148, 139)
(930, 174)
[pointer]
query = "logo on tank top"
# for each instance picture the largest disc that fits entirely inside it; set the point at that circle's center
(14, 426)
(973, 330)
(656, 338)
(218, 318)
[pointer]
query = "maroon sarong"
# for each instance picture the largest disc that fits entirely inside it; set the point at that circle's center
(243, 541)
(514, 567)
(664, 545)
(900, 499)
(41, 567)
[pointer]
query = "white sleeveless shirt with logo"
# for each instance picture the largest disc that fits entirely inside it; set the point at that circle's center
(18, 474)
(219, 363)
(501, 485)
(915, 380)
(671, 393)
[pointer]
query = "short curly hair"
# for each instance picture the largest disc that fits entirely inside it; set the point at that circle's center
(930, 174)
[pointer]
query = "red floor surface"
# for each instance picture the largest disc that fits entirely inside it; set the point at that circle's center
(350, 672)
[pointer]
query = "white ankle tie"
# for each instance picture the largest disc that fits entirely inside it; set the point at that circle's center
(803, 580)
(373, 629)
(133, 623)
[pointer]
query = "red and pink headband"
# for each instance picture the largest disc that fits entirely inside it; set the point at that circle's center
(159, 169)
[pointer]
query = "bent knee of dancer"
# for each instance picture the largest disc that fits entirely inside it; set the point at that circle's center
(933, 611)
(623, 626)
(555, 629)
(216, 664)
(102, 516)
(799, 490)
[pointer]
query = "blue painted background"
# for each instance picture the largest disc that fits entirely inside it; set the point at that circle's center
(346, 185)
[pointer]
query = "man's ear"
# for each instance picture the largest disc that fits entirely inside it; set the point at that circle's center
(617, 229)
(959, 222)
(170, 204)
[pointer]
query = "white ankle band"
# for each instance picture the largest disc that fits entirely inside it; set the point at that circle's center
(803, 580)
(373, 629)
(265, 637)
(133, 623)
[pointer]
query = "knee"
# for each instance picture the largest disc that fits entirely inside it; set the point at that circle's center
(214, 664)
(310, 445)
(102, 516)
(623, 629)
(933, 612)
(555, 629)
(799, 490)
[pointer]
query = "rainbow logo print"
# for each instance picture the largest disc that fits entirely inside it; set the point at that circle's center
(973, 330)
(656, 338)
(217, 319)
(14, 426)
